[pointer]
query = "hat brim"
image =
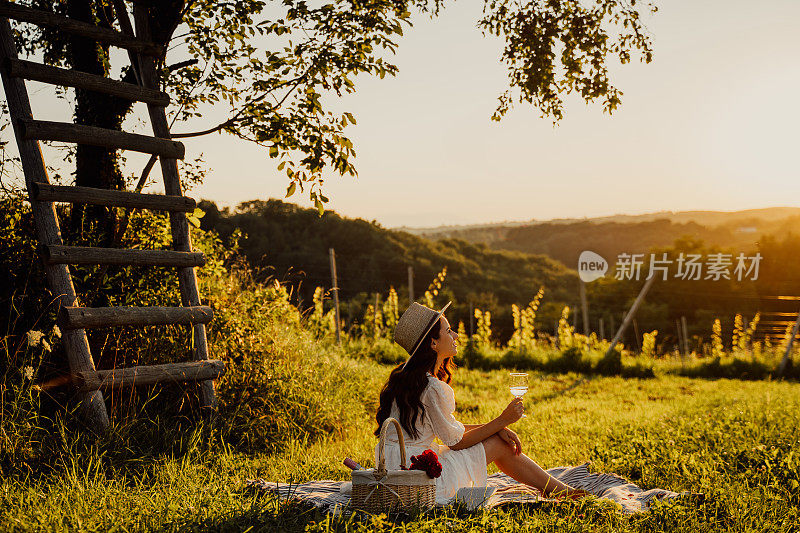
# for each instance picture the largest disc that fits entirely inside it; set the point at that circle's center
(434, 321)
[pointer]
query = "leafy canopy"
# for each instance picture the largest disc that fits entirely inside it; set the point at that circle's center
(265, 67)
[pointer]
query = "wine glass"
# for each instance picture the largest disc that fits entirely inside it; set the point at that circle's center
(518, 385)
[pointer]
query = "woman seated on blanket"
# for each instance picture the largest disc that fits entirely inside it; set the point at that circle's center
(419, 396)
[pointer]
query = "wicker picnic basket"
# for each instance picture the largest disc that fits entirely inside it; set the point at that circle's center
(380, 491)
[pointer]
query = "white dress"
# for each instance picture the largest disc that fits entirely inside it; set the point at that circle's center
(460, 468)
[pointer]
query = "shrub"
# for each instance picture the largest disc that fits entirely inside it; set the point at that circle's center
(381, 350)
(570, 360)
(475, 355)
(522, 359)
(610, 364)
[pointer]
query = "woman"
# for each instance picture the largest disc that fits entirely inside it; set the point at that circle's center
(419, 396)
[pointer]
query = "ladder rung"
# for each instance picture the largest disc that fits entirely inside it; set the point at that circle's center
(44, 130)
(45, 192)
(76, 27)
(29, 70)
(103, 317)
(82, 255)
(149, 375)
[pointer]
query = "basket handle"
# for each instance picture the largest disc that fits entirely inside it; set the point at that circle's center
(381, 443)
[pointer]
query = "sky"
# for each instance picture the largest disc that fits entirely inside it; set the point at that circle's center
(709, 124)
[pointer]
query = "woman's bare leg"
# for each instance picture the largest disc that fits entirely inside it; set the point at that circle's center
(524, 469)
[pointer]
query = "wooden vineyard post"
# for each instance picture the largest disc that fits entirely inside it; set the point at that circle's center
(91, 404)
(471, 320)
(685, 336)
(557, 336)
(681, 343)
(584, 308)
(629, 316)
(335, 290)
(410, 285)
(179, 224)
(375, 313)
(602, 331)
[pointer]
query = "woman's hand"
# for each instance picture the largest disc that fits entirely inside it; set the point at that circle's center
(513, 412)
(511, 439)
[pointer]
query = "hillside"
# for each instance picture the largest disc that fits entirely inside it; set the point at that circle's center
(291, 244)
(565, 239)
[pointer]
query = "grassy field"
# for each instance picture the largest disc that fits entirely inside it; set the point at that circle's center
(292, 406)
(733, 440)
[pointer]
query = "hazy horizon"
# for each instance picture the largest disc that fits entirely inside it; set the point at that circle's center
(522, 221)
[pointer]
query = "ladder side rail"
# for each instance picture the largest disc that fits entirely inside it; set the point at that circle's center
(190, 295)
(92, 405)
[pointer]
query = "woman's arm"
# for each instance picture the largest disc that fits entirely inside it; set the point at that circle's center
(476, 433)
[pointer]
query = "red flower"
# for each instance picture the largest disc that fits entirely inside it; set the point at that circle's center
(427, 461)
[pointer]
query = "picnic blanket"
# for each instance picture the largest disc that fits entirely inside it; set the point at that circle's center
(334, 496)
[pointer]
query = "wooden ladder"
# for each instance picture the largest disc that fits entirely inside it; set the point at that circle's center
(74, 319)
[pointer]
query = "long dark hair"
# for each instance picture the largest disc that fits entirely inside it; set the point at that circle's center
(405, 385)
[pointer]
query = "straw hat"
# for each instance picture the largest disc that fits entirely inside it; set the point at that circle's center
(415, 323)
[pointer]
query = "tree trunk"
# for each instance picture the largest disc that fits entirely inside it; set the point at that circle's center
(95, 166)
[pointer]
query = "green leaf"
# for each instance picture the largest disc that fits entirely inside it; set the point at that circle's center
(290, 190)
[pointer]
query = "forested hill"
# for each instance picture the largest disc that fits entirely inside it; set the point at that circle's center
(293, 242)
(564, 240)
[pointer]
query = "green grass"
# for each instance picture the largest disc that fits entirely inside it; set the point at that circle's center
(293, 406)
(733, 440)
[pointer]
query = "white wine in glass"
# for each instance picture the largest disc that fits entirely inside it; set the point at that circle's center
(518, 385)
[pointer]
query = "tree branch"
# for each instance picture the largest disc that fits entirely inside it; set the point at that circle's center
(236, 117)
